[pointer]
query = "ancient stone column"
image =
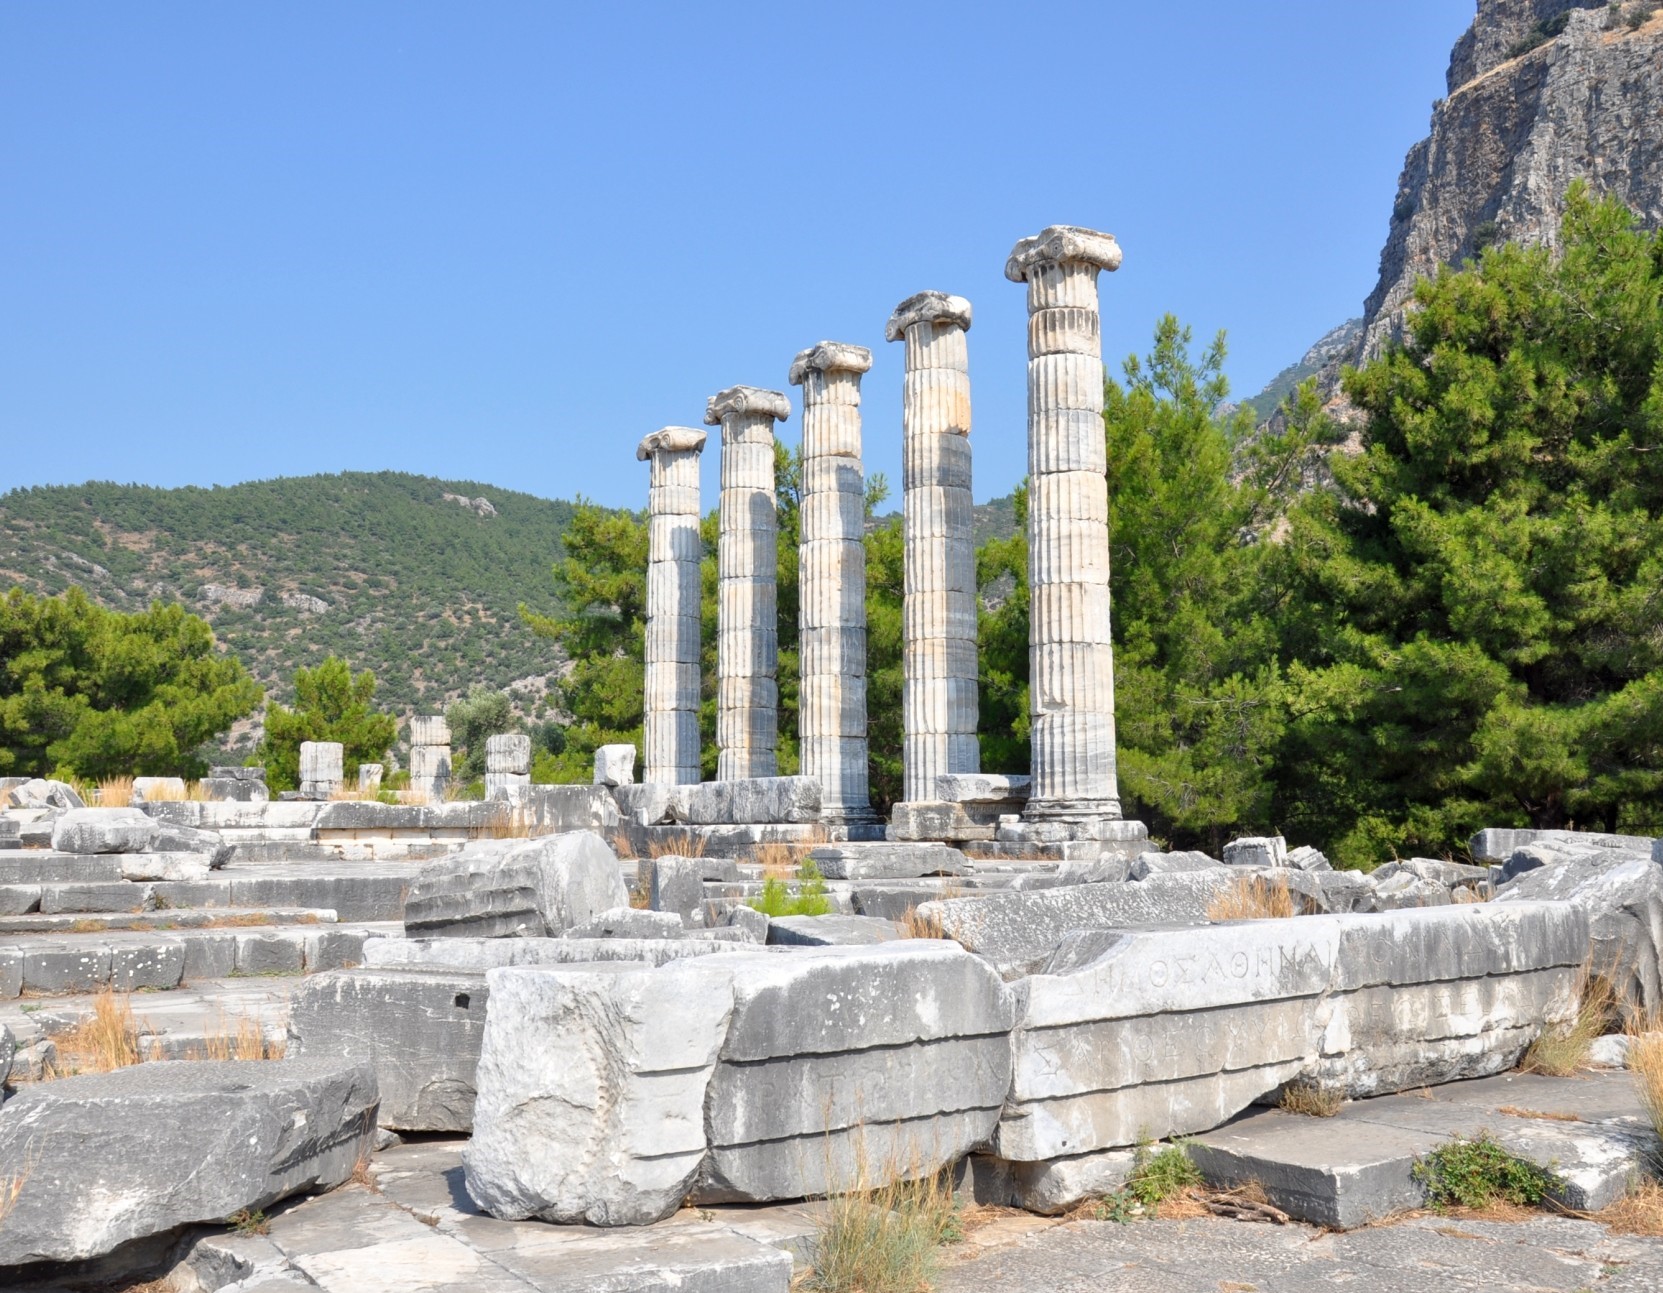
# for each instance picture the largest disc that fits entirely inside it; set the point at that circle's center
(671, 721)
(939, 611)
(747, 719)
(1070, 659)
(832, 578)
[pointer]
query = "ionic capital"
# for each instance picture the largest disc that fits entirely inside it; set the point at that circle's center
(746, 399)
(927, 307)
(827, 357)
(671, 440)
(1059, 244)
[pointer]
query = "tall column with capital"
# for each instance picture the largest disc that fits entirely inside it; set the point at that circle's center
(1070, 656)
(747, 718)
(671, 719)
(939, 699)
(832, 712)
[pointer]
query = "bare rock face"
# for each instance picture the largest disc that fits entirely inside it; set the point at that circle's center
(116, 1156)
(1515, 131)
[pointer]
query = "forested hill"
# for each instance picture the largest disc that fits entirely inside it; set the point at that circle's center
(415, 578)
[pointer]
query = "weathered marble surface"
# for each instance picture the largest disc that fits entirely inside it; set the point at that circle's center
(747, 652)
(939, 696)
(832, 600)
(670, 734)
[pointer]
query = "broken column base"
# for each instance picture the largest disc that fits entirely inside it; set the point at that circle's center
(1115, 836)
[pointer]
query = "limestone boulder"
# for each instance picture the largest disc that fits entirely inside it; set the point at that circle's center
(1017, 931)
(1402, 890)
(1621, 893)
(103, 830)
(516, 889)
(614, 765)
(1257, 850)
(39, 793)
(1153, 1033)
(591, 1092)
(1147, 864)
(1306, 858)
(895, 1056)
(676, 885)
(481, 954)
(627, 922)
(1497, 844)
(1451, 875)
(887, 861)
(140, 1151)
(175, 837)
(748, 801)
(419, 1030)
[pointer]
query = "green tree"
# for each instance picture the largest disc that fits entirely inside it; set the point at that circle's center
(97, 693)
(1197, 691)
(1473, 619)
(331, 704)
(602, 583)
(483, 713)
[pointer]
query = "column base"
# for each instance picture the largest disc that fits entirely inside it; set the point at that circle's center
(1101, 827)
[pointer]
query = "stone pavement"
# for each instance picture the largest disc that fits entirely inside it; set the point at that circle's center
(1217, 1256)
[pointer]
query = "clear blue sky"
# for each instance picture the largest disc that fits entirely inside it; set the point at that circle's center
(503, 241)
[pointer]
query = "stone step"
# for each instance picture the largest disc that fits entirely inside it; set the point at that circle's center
(36, 964)
(1357, 1167)
(419, 1231)
(55, 883)
(89, 919)
(185, 1023)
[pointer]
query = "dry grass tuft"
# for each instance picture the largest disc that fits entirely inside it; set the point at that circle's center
(621, 845)
(10, 1188)
(1645, 1061)
(115, 792)
(915, 925)
(1311, 1099)
(1463, 894)
(363, 1174)
(1513, 1111)
(1563, 1049)
(1255, 898)
(686, 844)
(244, 1040)
(781, 859)
(516, 825)
(884, 1238)
(107, 1039)
(1639, 1212)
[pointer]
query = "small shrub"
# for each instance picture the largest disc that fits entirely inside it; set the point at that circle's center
(1486, 234)
(1479, 1173)
(1563, 1049)
(1255, 898)
(1311, 1099)
(810, 898)
(247, 1222)
(1158, 1176)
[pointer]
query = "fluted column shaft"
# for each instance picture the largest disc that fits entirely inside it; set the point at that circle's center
(1070, 654)
(939, 699)
(832, 575)
(670, 721)
(747, 719)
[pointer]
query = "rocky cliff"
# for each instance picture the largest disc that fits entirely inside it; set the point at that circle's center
(1541, 93)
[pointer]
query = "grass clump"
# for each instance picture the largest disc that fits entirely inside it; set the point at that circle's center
(1645, 1061)
(885, 1239)
(1480, 1173)
(1255, 898)
(1158, 1176)
(809, 899)
(1311, 1099)
(105, 1040)
(914, 924)
(1563, 1048)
